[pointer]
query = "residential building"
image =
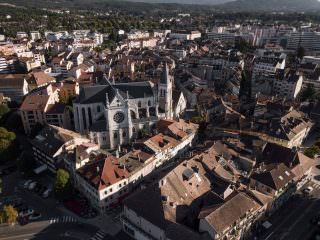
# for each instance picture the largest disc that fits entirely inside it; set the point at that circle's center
(14, 86)
(49, 145)
(43, 109)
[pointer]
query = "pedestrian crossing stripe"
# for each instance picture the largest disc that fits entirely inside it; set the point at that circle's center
(64, 219)
(98, 236)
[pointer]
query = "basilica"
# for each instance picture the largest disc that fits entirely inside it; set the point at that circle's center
(113, 114)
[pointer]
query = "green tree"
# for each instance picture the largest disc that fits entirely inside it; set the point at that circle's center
(62, 185)
(7, 144)
(312, 151)
(9, 214)
(309, 93)
(301, 52)
(143, 133)
(3, 110)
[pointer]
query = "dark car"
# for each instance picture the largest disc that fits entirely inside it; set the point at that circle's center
(23, 220)
(42, 190)
(37, 187)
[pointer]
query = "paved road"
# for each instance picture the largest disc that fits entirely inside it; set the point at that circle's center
(292, 221)
(43, 231)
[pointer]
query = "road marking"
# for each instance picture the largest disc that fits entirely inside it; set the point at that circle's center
(99, 235)
(269, 235)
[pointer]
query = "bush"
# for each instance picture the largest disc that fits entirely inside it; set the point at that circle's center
(8, 215)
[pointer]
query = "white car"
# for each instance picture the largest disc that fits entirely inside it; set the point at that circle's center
(26, 213)
(308, 190)
(32, 185)
(26, 184)
(35, 216)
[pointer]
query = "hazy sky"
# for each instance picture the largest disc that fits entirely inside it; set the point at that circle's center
(186, 1)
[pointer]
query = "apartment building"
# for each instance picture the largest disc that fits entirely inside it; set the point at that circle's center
(308, 40)
(14, 86)
(263, 73)
(287, 84)
(50, 144)
(43, 109)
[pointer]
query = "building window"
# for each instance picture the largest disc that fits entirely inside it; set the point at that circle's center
(84, 118)
(120, 185)
(149, 103)
(98, 109)
(115, 135)
(90, 117)
(124, 134)
(133, 130)
(139, 104)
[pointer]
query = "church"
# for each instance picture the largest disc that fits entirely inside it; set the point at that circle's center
(114, 113)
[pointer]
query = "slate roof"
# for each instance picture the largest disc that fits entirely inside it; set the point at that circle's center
(97, 93)
(52, 138)
(135, 90)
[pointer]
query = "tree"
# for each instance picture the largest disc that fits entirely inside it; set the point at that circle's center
(308, 93)
(300, 52)
(9, 214)
(7, 146)
(62, 185)
(3, 110)
(312, 151)
(143, 133)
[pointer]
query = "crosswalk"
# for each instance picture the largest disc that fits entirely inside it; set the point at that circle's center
(315, 185)
(99, 235)
(64, 219)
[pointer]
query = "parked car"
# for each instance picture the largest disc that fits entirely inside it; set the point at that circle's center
(23, 220)
(42, 190)
(26, 213)
(308, 190)
(46, 193)
(35, 216)
(37, 187)
(32, 185)
(27, 183)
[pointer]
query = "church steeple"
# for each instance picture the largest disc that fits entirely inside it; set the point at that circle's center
(165, 92)
(165, 77)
